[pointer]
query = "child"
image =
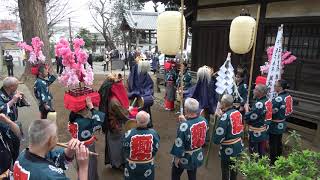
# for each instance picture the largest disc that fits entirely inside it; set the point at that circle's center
(41, 91)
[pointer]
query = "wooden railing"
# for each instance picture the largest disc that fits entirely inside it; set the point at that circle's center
(307, 108)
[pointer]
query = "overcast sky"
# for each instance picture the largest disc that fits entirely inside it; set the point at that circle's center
(82, 17)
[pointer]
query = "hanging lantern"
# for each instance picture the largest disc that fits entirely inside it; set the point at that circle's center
(169, 31)
(242, 31)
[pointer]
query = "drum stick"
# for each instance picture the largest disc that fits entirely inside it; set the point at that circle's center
(66, 146)
(134, 101)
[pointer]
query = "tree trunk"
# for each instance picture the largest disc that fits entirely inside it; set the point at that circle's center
(33, 19)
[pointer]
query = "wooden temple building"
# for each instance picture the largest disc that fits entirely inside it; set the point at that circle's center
(142, 26)
(210, 21)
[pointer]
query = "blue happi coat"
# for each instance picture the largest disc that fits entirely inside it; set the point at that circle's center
(32, 167)
(11, 112)
(282, 108)
(186, 80)
(258, 119)
(83, 128)
(228, 133)
(41, 91)
(140, 146)
(191, 136)
(243, 92)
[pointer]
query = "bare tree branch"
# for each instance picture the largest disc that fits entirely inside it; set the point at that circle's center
(57, 11)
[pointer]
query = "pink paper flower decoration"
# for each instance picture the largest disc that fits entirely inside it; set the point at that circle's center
(286, 58)
(74, 63)
(32, 58)
(88, 76)
(78, 43)
(36, 56)
(25, 46)
(37, 45)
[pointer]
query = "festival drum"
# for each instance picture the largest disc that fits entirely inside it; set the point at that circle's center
(145, 101)
(130, 124)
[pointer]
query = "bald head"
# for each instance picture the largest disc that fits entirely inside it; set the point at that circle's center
(143, 119)
(40, 131)
(260, 90)
(227, 100)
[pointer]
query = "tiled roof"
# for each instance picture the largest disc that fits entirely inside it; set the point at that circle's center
(141, 20)
(8, 39)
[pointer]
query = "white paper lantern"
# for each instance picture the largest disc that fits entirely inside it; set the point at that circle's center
(241, 37)
(169, 32)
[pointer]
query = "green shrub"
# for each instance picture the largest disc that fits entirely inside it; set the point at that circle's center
(298, 165)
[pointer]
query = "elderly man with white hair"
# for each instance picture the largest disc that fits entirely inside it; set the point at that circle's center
(140, 85)
(191, 135)
(258, 118)
(228, 134)
(140, 146)
(10, 100)
(41, 160)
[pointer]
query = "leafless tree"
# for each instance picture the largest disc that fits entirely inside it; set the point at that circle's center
(108, 16)
(57, 12)
(101, 13)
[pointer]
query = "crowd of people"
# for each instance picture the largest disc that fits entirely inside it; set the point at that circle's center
(133, 150)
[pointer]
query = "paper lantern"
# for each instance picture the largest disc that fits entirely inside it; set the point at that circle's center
(169, 32)
(242, 31)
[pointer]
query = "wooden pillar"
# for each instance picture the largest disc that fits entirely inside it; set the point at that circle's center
(194, 49)
(130, 40)
(149, 40)
(260, 51)
(137, 39)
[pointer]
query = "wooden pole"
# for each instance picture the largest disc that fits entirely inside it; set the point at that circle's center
(253, 53)
(66, 146)
(70, 34)
(181, 59)
(252, 65)
(212, 125)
